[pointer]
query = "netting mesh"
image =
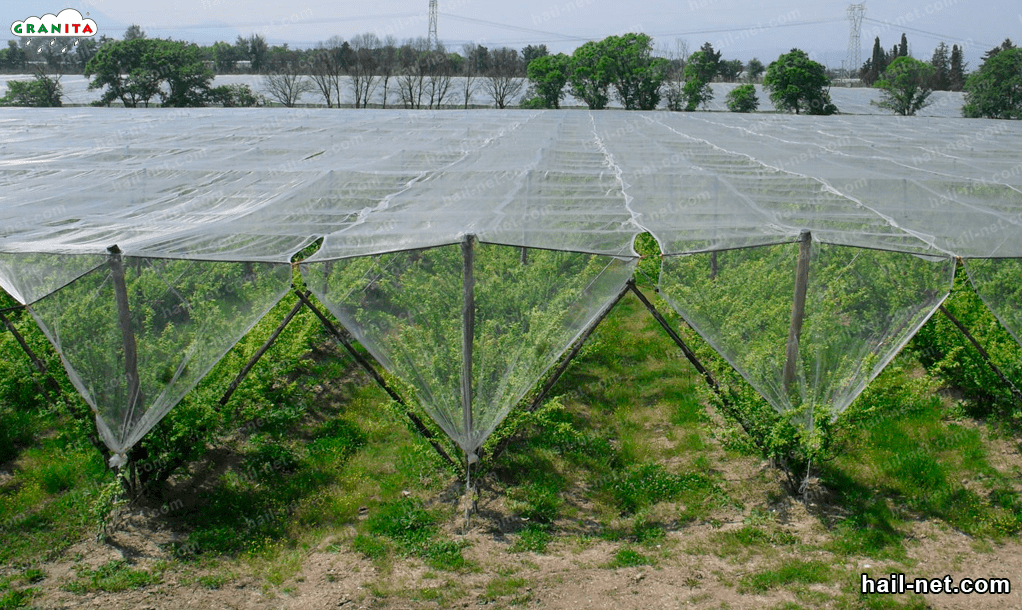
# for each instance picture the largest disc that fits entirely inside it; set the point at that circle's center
(998, 281)
(136, 334)
(861, 307)
(879, 195)
(406, 308)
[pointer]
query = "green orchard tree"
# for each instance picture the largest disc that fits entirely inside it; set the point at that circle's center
(591, 74)
(636, 75)
(798, 84)
(699, 71)
(905, 86)
(994, 91)
(743, 99)
(43, 91)
(549, 75)
(135, 71)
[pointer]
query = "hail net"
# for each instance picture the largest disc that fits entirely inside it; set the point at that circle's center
(208, 209)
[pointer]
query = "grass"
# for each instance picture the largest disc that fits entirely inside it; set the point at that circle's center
(789, 572)
(112, 577)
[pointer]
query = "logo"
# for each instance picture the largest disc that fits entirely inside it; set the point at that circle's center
(69, 23)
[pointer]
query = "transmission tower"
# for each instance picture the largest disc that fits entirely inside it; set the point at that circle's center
(854, 60)
(433, 43)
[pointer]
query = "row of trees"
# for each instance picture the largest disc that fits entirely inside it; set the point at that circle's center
(949, 68)
(993, 91)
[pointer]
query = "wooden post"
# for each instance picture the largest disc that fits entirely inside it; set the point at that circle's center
(798, 310)
(127, 333)
(262, 350)
(468, 316)
(336, 332)
(689, 354)
(713, 265)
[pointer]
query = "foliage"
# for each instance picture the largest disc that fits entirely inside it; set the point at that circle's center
(951, 358)
(754, 69)
(591, 74)
(905, 86)
(43, 91)
(629, 558)
(797, 84)
(994, 91)
(416, 531)
(232, 96)
(789, 571)
(549, 75)
(112, 577)
(742, 99)
(137, 70)
(635, 74)
(699, 71)
(644, 485)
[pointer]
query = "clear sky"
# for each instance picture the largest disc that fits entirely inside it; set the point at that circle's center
(742, 29)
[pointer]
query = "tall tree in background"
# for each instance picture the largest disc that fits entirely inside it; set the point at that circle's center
(326, 68)
(941, 62)
(875, 65)
(994, 91)
(504, 78)
(530, 53)
(137, 70)
(549, 74)
(905, 86)
(636, 75)
(134, 31)
(1004, 46)
(469, 71)
(754, 69)
(387, 65)
(711, 62)
(257, 52)
(799, 84)
(590, 75)
(903, 47)
(730, 69)
(362, 67)
(699, 71)
(956, 73)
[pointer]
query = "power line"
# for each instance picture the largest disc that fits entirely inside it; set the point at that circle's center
(934, 35)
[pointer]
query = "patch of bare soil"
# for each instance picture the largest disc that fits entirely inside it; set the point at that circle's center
(575, 572)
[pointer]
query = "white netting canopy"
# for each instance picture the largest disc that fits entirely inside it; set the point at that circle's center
(468, 249)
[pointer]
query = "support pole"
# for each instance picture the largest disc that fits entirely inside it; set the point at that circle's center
(982, 352)
(262, 350)
(798, 310)
(127, 332)
(339, 336)
(710, 381)
(468, 317)
(37, 362)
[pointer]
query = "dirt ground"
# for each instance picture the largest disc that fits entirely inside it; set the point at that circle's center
(573, 573)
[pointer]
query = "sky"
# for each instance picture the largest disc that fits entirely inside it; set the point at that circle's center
(741, 29)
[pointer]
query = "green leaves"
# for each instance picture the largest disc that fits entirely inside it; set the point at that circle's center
(742, 99)
(905, 86)
(169, 69)
(797, 84)
(995, 90)
(549, 74)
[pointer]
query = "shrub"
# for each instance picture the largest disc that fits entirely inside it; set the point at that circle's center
(742, 99)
